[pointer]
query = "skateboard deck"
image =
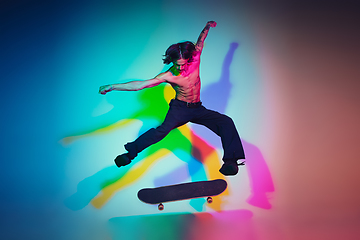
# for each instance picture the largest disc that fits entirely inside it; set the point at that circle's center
(182, 191)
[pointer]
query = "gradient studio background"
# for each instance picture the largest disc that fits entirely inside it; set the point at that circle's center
(286, 73)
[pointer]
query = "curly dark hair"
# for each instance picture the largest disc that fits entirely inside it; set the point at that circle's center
(176, 51)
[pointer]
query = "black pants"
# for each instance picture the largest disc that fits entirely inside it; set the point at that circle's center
(181, 113)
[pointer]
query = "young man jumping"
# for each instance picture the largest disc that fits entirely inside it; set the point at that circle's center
(186, 107)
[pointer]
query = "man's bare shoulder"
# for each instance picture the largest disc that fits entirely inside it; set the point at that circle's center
(166, 76)
(196, 54)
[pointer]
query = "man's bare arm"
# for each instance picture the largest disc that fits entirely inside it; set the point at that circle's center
(200, 42)
(132, 85)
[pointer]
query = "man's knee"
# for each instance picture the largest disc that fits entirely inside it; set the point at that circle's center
(227, 120)
(162, 130)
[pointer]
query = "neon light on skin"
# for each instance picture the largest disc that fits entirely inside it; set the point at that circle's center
(181, 66)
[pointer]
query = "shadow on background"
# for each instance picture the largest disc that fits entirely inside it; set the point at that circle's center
(261, 183)
(216, 97)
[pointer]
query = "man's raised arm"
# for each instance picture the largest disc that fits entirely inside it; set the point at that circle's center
(132, 85)
(200, 42)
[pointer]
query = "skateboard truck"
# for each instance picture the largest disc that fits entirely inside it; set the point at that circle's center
(161, 206)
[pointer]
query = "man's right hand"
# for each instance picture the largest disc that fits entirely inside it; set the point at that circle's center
(105, 89)
(211, 23)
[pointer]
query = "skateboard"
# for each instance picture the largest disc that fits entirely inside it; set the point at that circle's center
(182, 191)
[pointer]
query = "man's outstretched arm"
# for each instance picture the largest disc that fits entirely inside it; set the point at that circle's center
(132, 85)
(200, 42)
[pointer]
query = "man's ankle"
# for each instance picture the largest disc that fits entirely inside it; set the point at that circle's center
(229, 168)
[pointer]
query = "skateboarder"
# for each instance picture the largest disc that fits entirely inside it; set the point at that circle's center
(186, 107)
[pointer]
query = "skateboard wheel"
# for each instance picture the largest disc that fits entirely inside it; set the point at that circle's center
(209, 200)
(161, 207)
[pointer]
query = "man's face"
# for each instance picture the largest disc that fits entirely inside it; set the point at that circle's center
(181, 65)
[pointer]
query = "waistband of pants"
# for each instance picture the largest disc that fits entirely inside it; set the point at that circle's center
(188, 104)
